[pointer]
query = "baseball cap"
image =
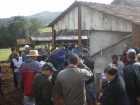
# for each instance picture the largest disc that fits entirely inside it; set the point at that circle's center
(130, 51)
(26, 46)
(49, 66)
(85, 50)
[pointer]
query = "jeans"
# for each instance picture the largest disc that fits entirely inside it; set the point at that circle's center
(28, 100)
(90, 88)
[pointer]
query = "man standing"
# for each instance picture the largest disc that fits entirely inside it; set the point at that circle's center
(54, 60)
(90, 83)
(132, 77)
(25, 52)
(123, 57)
(13, 49)
(28, 70)
(42, 85)
(60, 53)
(76, 50)
(118, 64)
(70, 82)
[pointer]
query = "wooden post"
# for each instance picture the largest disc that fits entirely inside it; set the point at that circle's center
(135, 36)
(53, 37)
(79, 27)
(88, 40)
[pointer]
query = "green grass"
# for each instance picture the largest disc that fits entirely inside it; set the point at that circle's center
(4, 54)
(47, 29)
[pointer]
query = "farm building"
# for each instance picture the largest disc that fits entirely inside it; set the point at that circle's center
(64, 40)
(108, 28)
(131, 3)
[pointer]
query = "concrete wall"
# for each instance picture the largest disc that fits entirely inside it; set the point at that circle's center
(102, 39)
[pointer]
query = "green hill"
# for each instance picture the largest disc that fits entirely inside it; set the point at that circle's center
(45, 17)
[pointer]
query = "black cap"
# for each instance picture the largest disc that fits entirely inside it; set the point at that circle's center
(49, 66)
(85, 50)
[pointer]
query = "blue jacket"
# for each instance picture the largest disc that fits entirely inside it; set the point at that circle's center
(76, 51)
(59, 55)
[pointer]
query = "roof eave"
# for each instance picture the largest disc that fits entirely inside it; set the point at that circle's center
(73, 5)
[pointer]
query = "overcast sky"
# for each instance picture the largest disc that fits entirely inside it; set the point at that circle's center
(10, 8)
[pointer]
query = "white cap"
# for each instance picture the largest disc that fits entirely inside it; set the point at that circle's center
(26, 46)
(131, 51)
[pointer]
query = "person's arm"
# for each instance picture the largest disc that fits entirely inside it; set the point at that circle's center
(58, 87)
(12, 65)
(85, 70)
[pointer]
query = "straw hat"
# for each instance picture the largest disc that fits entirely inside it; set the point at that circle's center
(33, 53)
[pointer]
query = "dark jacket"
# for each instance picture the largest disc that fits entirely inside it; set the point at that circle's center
(114, 93)
(132, 81)
(42, 90)
(90, 64)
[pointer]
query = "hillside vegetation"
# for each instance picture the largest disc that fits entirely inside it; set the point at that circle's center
(45, 17)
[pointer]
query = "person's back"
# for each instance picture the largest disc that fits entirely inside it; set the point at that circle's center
(132, 77)
(28, 70)
(76, 50)
(70, 84)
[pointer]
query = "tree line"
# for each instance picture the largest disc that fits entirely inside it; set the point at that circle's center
(19, 27)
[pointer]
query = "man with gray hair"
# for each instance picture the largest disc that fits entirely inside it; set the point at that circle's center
(132, 78)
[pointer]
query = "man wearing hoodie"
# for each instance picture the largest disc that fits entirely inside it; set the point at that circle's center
(28, 70)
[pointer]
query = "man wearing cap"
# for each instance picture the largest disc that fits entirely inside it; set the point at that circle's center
(90, 83)
(70, 82)
(28, 70)
(25, 52)
(132, 77)
(42, 85)
(76, 50)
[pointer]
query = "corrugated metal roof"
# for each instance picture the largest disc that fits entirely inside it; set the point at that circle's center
(128, 13)
(59, 38)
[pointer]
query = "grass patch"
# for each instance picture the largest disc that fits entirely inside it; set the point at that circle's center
(47, 29)
(4, 54)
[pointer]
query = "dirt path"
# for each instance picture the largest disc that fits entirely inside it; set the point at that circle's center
(12, 96)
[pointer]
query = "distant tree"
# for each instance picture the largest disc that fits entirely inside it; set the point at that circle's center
(19, 27)
(35, 26)
(4, 37)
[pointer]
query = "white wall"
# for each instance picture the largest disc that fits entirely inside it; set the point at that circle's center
(102, 39)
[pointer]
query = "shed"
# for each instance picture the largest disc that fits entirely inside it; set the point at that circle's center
(106, 25)
(60, 40)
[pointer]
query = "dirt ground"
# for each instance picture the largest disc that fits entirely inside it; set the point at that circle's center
(12, 95)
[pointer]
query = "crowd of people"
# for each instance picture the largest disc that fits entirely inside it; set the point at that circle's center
(71, 72)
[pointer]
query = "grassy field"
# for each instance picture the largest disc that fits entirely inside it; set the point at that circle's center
(4, 54)
(47, 29)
